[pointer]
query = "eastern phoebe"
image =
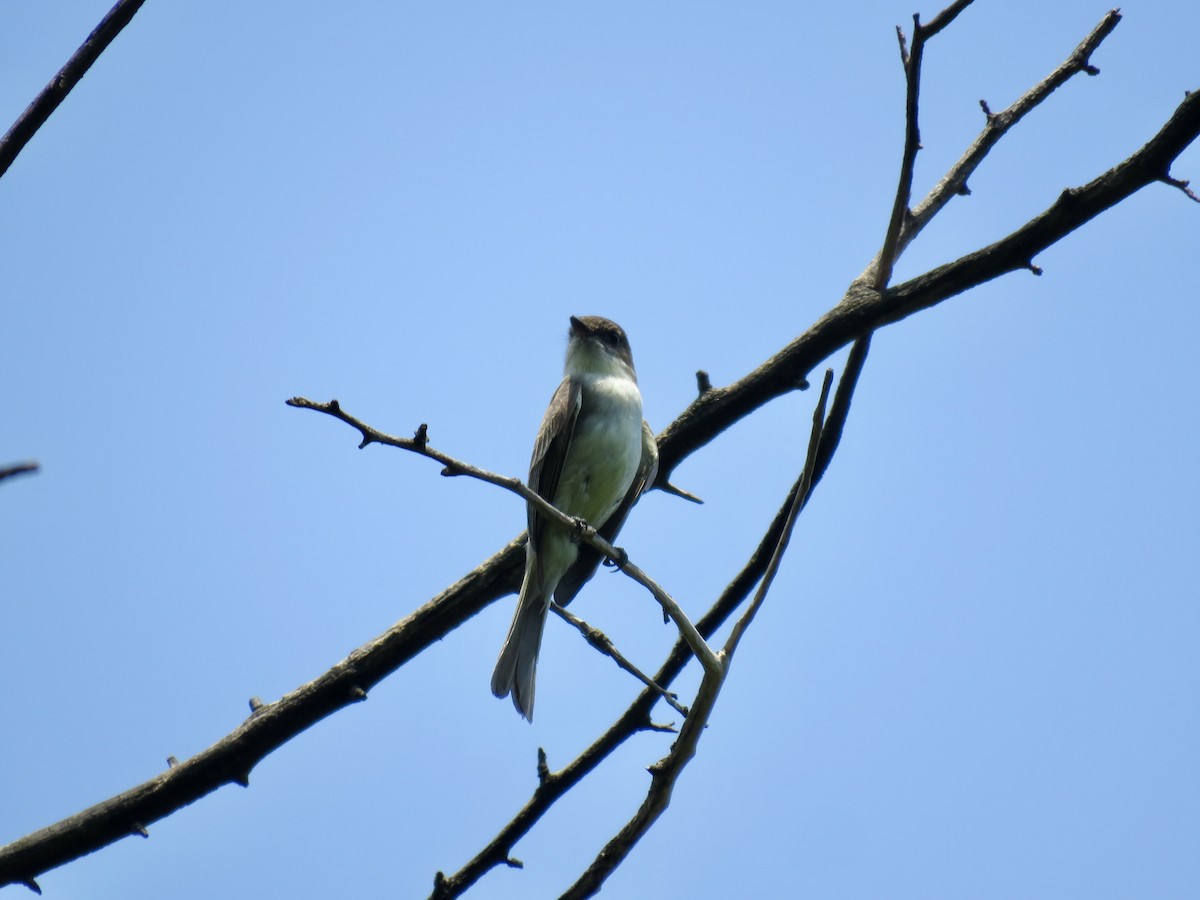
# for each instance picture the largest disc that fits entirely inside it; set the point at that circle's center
(593, 456)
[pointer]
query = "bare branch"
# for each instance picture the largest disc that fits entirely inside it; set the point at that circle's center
(665, 773)
(635, 719)
(1183, 185)
(230, 760)
(602, 642)
(863, 309)
(954, 182)
(68, 76)
(942, 19)
(798, 502)
(24, 468)
(586, 532)
(860, 311)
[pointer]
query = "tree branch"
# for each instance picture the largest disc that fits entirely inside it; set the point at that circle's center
(637, 717)
(884, 263)
(25, 468)
(665, 773)
(861, 311)
(603, 643)
(45, 103)
(954, 182)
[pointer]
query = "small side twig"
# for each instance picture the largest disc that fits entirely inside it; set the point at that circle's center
(419, 444)
(911, 59)
(806, 482)
(24, 468)
(602, 642)
(954, 182)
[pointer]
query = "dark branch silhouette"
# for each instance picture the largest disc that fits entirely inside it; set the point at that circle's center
(868, 304)
(25, 468)
(56, 90)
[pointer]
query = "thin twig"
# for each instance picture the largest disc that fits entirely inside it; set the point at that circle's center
(806, 482)
(665, 773)
(419, 444)
(885, 262)
(602, 642)
(954, 182)
(25, 468)
(44, 104)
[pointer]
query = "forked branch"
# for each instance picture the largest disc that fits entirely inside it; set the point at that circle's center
(863, 309)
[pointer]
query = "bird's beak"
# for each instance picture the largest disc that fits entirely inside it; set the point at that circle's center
(578, 329)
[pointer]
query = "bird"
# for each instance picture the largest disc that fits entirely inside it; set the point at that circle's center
(593, 456)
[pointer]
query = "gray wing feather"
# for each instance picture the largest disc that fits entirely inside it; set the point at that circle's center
(550, 450)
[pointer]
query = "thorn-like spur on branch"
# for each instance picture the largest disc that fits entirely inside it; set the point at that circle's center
(603, 643)
(703, 384)
(23, 468)
(45, 103)
(1183, 185)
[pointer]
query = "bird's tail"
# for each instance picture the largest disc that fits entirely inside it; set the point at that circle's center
(517, 666)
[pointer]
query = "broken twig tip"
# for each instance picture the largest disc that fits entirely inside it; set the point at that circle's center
(1036, 270)
(703, 384)
(667, 488)
(172, 762)
(357, 693)
(32, 885)
(256, 704)
(513, 863)
(140, 830)
(1184, 185)
(543, 768)
(903, 46)
(421, 435)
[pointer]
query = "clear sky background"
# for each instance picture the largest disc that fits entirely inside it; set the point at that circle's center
(977, 674)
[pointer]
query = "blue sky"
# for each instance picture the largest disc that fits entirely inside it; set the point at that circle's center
(976, 675)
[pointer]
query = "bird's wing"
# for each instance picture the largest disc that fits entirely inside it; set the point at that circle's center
(589, 558)
(550, 449)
